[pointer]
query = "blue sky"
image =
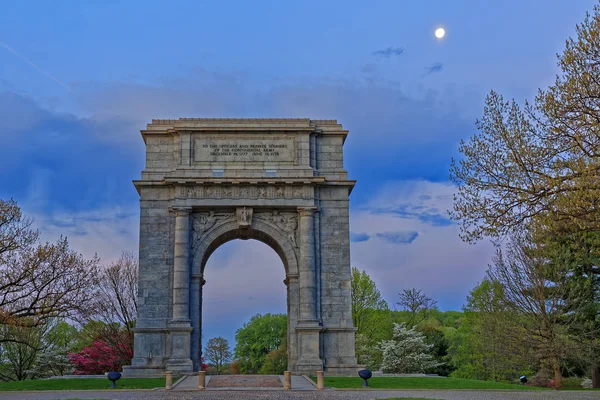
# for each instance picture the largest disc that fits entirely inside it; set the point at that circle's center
(78, 80)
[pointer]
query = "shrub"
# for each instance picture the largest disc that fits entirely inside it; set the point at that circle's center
(586, 383)
(98, 358)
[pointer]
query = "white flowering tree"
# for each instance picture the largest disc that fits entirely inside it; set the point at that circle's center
(407, 352)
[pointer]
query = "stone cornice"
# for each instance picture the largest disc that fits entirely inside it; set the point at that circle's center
(240, 125)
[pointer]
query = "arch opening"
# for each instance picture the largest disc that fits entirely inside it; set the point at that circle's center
(243, 278)
(224, 236)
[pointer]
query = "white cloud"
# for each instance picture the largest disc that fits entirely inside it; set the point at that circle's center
(437, 261)
(105, 232)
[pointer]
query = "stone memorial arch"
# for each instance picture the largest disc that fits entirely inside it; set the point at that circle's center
(209, 181)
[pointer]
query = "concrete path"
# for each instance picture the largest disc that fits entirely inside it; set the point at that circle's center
(304, 395)
(243, 383)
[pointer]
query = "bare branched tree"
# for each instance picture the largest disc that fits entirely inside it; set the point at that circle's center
(417, 304)
(117, 291)
(47, 281)
(115, 307)
(39, 282)
(218, 353)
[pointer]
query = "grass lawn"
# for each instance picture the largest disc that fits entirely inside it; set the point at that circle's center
(83, 384)
(420, 383)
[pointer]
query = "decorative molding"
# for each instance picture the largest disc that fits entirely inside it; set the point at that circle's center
(244, 216)
(307, 211)
(181, 211)
(202, 222)
(252, 192)
(286, 222)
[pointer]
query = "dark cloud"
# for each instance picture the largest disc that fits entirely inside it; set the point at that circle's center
(393, 135)
(52, 160)
(389, 52)
(398, 237)
(359, 237)
(437, 67)
(369, 68)
(431, 216)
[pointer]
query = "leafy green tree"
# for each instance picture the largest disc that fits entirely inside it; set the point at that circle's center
(490, 343)
(407, 352)
(19, 351)
(276, 361)
(257, 338)
(53, 360)
(579, 255)
(218, 353)
(366, 298)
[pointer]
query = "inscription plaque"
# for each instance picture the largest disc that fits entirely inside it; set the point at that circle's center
(247, 150)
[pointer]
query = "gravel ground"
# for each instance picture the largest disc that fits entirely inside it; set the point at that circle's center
(346, 395)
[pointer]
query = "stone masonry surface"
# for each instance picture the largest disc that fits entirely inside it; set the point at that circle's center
(209, 181)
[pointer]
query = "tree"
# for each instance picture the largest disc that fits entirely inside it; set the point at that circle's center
(15, 229)
(257, 338)
(53, 359)
(276, 361)
(366, 299)
(534, 289)
(39, 282)
(579, 253)
(407, 352)
(116, 304)
(19, 351)
(217, 353)
(490, 343)
(96, 359)
(541, 162)
(417, 304)
(117, 291)
(113, 335)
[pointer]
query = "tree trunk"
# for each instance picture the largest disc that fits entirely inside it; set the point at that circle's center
(595, 375)
(558, 380)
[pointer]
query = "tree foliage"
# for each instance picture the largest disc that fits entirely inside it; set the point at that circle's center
(98, 358)
(541, 161)
(490, 343)
(407, 352)
(39, 282)
(276, 361)
(366, 301)
(257, 338)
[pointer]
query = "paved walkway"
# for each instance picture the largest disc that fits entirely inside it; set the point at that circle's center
(313, 395)
(243, 383)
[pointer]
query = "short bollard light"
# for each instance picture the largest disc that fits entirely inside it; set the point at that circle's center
(287, 380)
(168, 380)
(365, 374)
(201, 380)
(523, 379)
(320, 380)
(113, 377)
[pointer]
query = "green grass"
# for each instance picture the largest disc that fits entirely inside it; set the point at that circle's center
(82, 384)
(420, 383)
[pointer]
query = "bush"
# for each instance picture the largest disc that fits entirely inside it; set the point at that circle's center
(541, 379)
(572, 383)
(98, 358)
(276, 361)
(586, 383)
